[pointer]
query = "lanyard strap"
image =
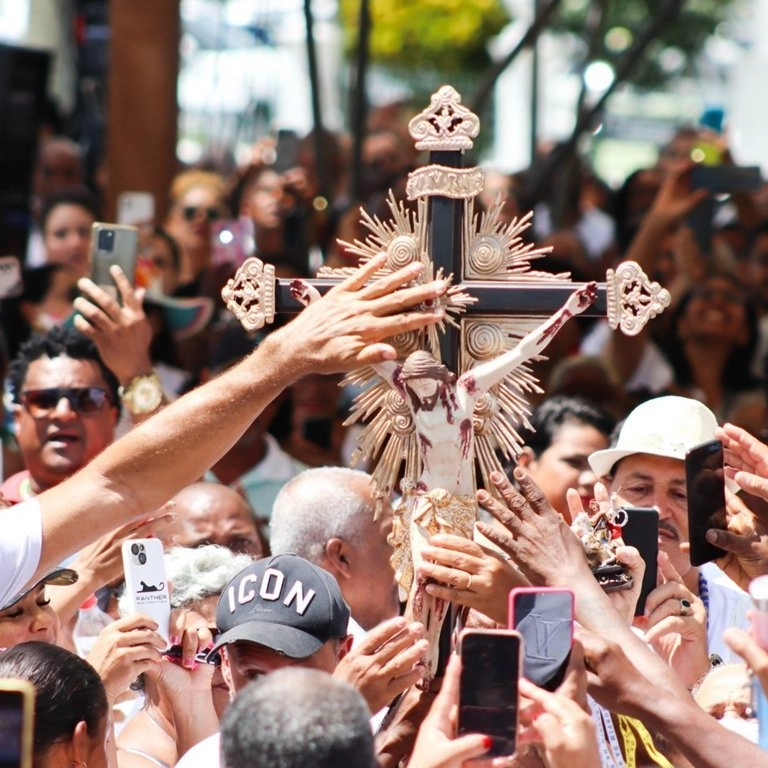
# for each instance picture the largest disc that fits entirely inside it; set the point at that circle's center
(628, 726)
(606, 736)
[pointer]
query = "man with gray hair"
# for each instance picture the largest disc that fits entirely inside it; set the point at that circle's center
(326, 515)
(297, 718)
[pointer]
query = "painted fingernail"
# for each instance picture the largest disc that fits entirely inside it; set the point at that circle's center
(175, 640)
(487, 742)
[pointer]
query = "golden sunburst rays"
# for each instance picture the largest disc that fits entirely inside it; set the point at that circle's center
(403, 237)
(389, 435)
(494, 250)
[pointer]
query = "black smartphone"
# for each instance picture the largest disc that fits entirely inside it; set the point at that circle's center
(488, 699)
(544, 618)
(318, 431)
(17, 713)
(641, 531)
(726, 179)
(286, 150)
(705, 480)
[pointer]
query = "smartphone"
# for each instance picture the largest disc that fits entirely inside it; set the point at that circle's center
(146, 586)
(318, 431)
(286, 151)
(232, 241)
(17, 717)
(135, 208)
(11, 283)
(641, 531)
(705, 481)
(491, 661)
(544, 618)
(726, 179)
(113, 244)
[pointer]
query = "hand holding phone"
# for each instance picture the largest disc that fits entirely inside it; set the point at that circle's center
(705, 482)
(641, 531)
(544, 618)
(113, 244)
(146, 585)
(488, 696)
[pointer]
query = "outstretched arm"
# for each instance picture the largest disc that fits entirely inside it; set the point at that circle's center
(484, 376)
(140, 472)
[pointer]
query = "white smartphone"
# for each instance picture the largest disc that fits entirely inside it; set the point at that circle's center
(135, 208)
(146, 586)
(10, 277)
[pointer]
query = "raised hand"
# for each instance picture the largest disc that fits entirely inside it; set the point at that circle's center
(345, 329)
(537, 538)
(745, 541)
(386, 662)
(746, 459)
(125, 649)
(676, 625)
(122, 333)
(462, 571)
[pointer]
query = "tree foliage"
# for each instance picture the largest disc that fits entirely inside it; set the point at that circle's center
(671, 54)
(447, 35)
(451, 35)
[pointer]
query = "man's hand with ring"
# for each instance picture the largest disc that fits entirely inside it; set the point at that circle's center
(676, 625)
(464, 572)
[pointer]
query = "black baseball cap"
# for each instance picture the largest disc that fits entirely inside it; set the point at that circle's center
(61, 577)
(284, 603)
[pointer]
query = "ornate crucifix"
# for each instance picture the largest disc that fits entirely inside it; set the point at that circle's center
(457, 394)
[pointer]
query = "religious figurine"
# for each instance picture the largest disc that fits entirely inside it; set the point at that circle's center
(600, 535)
(440, 498)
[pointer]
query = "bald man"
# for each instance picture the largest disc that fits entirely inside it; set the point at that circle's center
(211, 513)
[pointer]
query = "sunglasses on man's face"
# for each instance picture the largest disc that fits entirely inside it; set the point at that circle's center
(190, 213)
(40, 403)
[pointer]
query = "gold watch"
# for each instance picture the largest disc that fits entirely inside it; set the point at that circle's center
(143, 394)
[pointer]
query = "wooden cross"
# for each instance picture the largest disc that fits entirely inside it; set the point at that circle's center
(489, 260)
(494, 294)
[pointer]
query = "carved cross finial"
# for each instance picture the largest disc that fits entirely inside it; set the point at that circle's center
(445, 125)
(250, 294)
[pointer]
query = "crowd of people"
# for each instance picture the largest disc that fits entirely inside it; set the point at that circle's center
(148, 412)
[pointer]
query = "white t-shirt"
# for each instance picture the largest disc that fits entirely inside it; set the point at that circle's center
(21, 540)
(728, 606)
(205, 754)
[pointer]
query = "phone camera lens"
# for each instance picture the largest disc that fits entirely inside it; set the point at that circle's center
(134, 549)
(106, 240)
(142, 558)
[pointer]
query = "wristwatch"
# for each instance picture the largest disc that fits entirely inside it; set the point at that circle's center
(143, 394)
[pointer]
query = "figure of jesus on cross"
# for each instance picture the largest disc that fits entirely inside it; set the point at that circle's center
(442, 498)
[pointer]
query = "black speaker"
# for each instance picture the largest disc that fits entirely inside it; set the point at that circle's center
(23, 82)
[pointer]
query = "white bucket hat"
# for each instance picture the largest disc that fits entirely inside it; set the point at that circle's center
(665, 426)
